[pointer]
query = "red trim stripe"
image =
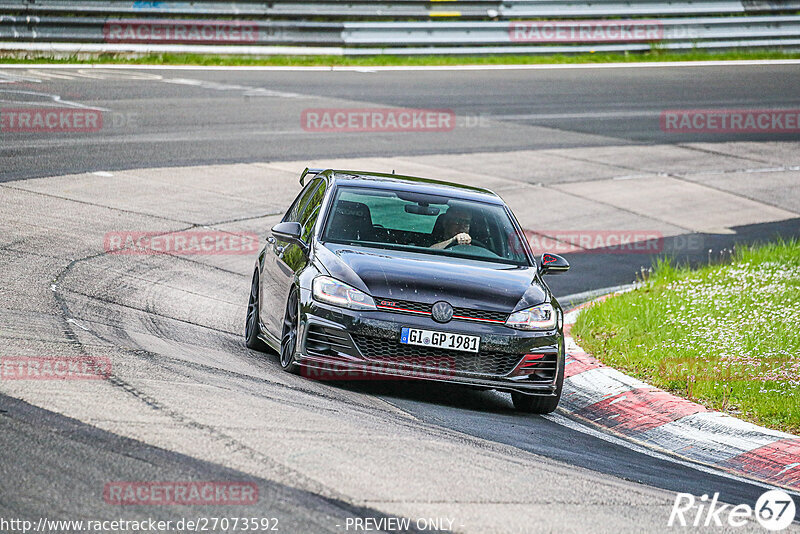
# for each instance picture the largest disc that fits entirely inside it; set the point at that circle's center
(778, 462)
(580, 362)
(393, 308)
(476, 319)
(401, 309)
(639, 410)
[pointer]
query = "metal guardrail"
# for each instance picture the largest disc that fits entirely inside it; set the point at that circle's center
(407, 34)
(483, 27)
(524, 32)
(177, 31)
(420, 9)
(616, 8)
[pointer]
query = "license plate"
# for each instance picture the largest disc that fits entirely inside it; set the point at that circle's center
(441, 340)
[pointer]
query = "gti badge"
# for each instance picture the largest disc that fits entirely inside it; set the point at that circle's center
(442, 312)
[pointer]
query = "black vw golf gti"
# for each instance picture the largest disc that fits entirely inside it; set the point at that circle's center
(391, 276)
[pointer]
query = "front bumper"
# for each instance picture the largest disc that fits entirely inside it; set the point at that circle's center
(337, 343)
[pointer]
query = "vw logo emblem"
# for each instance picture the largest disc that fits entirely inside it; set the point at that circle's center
(442, 312)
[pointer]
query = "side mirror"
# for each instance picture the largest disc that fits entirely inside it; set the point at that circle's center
(289, 232)
(553, 264)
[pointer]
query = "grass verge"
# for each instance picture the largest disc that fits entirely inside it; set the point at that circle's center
(387, 60)
(726, 336)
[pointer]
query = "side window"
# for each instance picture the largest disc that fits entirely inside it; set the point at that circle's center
(308, 217)
(293, 215)
(308, 227)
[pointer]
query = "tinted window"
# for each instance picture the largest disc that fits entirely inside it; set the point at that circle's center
(310, 212)
(294, 213)
(424, 223)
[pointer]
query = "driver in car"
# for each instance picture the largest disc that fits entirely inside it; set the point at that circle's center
(455, 223)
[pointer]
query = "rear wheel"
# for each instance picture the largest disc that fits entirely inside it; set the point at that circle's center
(289, 334)
(252, 328)
(536, 404)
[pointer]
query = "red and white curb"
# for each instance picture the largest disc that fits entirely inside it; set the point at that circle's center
(625, 406)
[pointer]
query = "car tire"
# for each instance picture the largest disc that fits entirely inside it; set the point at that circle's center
(251, 328)
(538, 404)
(289, 334)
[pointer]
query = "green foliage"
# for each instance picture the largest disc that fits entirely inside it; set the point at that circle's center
(657, 54)
(726, 335)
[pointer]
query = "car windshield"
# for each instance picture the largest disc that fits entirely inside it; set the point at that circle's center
(426, 223)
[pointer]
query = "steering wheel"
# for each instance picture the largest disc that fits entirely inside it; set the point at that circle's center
(473, 243)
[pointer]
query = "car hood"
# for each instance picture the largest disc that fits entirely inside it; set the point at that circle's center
(426, 278)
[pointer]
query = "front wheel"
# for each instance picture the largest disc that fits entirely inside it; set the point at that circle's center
(536, 404)
(252, 328)
(533, 404)
(289, 334)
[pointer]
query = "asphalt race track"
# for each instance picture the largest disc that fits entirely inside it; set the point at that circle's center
(220, 150)
(189, 117)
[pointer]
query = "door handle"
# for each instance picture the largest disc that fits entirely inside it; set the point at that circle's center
(271, 240)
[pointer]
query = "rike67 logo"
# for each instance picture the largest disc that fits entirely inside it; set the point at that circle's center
(774, 510)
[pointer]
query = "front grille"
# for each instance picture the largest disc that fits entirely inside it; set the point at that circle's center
(480, 315)
(403, 305)
(464, 314)
(484, 363)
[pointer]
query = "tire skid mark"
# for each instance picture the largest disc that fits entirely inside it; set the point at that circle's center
(151, 402)
(68, 328)
(183, 420)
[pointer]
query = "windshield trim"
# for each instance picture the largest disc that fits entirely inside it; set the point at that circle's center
(423, 250)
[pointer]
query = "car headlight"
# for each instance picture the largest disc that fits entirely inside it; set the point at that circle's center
(331, 291)
(541, 317)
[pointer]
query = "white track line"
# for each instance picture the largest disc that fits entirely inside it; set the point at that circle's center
(591, 388)
(660, 64)
(564, 421)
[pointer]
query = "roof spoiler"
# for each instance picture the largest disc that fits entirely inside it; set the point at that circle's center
(307, 172)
